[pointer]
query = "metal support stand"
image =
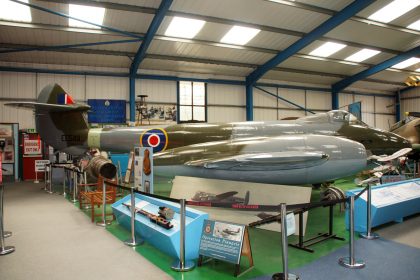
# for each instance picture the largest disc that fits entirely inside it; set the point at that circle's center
(104, 222)
(350, 261)
(133, 241)
(182, 265)
(74, 200)
(4, 250)
(285, 275)
(369, 234)
(305, 244)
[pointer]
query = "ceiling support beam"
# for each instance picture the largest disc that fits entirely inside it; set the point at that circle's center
(285, 100)
(115, 30)
(312, 36)
(69, 46)
(141, 52)
(339, 86)
(249, 102)
(398, 106)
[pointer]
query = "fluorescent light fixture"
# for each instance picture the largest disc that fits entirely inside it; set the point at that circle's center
(394, 10)
(327, 49)
(418, 70)
(184, 27)
(362, 55)
(14, 11)
(239, 35)
(91, 14)
(407, 63)
(415, 25)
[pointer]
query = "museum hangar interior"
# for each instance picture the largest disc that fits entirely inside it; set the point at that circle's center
(256, 139)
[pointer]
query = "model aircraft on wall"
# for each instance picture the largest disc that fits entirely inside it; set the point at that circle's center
(308, 150)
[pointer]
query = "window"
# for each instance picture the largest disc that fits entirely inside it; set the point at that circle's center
(192, 102)
(91, 14)
(15, 11)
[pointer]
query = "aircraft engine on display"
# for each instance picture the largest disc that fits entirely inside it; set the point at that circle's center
(101, 166)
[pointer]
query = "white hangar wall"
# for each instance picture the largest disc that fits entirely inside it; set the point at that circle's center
(226, 103)
(410, 101)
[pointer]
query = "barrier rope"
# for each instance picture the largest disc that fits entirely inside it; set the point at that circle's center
(242, 207)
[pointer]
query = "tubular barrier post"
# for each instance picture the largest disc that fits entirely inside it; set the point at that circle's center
(182, 265)
(64, 181)
(285, 275)
(369, 234)
(4, 250)
(104, 222)
(74, 200)
(50, 180)
(350, 261)
(133, 241)
(46, 178)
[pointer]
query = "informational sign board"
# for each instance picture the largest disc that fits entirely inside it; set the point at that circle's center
(40, 165)
(222, 240)
(143, 169)
(107, 111)
(31, 147)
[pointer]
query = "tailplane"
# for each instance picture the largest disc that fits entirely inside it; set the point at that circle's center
(59, 120)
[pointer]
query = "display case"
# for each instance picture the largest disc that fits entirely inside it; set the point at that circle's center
(390, 202)
(166, 240)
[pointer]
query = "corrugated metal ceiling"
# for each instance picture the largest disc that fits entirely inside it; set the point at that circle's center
(251, 11)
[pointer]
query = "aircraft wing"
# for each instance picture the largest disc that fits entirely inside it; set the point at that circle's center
(262, 161)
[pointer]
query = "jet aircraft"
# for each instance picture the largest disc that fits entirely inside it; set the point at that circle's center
(308, 150)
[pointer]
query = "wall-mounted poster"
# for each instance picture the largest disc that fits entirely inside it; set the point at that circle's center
(107, 111)
(6, 133)
(157, 113)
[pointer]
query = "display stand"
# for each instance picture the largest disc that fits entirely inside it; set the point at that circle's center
(166, 240)
(245, 252)
(304, 245)
(390, 202)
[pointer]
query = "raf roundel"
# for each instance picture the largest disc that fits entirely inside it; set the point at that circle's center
(156, 138)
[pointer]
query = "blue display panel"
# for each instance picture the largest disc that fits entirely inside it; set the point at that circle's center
(390, 202)
(166, 240)
(107, 111)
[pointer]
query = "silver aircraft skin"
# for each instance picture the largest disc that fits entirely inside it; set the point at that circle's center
(309, 150)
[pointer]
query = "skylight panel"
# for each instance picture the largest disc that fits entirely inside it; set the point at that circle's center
(394, 10)
(239, 35)
(415, 25)
(327, 49)
(14, 11)
(407, 63)
(91, 14)
(362, 55)
(184, 27)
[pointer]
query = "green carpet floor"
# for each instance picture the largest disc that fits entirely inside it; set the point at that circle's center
(266, 245)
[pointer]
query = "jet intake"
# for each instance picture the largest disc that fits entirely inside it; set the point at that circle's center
(100, 166)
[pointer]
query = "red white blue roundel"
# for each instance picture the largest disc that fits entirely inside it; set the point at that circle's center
(156, 138)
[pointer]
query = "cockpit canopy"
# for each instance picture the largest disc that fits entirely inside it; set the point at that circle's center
(344, 116)
(336, 116)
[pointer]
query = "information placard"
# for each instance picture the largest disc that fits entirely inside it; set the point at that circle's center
(40, 165)
(221, 240)
(31, 147)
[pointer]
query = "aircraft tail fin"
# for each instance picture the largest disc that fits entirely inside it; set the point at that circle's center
(59, 120)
